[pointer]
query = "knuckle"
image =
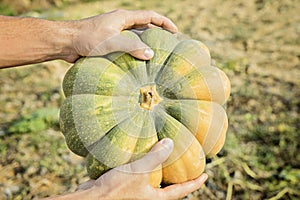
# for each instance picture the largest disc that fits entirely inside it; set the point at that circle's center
(151, 12)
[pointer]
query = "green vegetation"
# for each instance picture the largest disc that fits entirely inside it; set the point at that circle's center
(5, 9)
(35, 122)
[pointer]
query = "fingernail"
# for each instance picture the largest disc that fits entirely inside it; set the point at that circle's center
(175, 28)
(203, 177)
(148, 53)
(168, 143)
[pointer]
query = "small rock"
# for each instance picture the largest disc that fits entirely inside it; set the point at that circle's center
(12, 189)
(31, 170)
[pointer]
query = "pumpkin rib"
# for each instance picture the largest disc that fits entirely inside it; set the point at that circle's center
(97, 75)
(172, 87)
(177, 59)
(145, 142)
(128, 64)
(161, 69)
(190, 165)
(91, 146)
(202, 119)
(95, 170)
(194, 52)
(82, 109)
(162, 43)
(198, 84)
(116, 125)
(226, 84)
(167, 126)
(94, 166)
(185, 146)
(107, 149)
(220, 140)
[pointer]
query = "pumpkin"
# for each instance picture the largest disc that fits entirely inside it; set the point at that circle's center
(117, 107)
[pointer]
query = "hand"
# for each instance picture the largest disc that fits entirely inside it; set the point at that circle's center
(47, 40)
(130, 181)
(100, 34)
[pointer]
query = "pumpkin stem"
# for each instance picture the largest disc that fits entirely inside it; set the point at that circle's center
(149, 97)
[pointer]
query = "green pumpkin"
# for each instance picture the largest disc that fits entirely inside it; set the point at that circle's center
(117, 107)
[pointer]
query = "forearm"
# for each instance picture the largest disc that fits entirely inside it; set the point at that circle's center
(32, 40)
(91, 193)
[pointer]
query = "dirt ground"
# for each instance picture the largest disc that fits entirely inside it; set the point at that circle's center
(257, 44)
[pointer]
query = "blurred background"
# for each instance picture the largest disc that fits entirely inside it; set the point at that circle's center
(256, 42)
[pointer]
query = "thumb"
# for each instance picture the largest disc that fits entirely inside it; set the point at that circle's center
(140, 50)
(122, 43)
(133, 46)
(158, 154)
(86, 185)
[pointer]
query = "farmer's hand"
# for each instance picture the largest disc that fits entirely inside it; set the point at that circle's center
(131, 181)
(100, 34)
(25, 40)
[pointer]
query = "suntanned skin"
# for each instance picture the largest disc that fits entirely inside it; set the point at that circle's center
(31, 40)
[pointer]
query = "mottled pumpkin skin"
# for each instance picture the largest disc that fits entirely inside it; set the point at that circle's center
(117, 107)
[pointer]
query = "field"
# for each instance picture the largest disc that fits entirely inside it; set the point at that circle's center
(257, 44)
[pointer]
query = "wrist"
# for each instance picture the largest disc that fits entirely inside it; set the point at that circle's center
(91, 193)
(66, 31)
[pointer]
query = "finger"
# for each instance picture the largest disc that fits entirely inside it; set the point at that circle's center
(158, 154)
(144, 27)
(140, 29)
(86, 185)
(124, 44)
(181, 190)
(142, 17)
